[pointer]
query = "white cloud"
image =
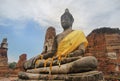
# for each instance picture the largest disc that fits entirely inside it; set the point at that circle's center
(12, 59)
(88, 14)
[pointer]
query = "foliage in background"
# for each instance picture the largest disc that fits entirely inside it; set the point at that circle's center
(12, 65)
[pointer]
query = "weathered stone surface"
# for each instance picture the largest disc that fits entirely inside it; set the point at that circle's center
(3, 58)
(84, 64)
(104, 44)
(3, 53)
(64, 72)
(40, 63)
(86, 76)
(5, 79)
(49, 40)
(22, 59)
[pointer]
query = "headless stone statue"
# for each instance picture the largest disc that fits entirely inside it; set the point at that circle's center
(64, 54)
(49, 40)
(4, 43)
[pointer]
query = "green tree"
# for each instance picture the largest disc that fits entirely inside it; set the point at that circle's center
(12, 65)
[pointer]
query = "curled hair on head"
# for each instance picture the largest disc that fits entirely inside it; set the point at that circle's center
(68, 14)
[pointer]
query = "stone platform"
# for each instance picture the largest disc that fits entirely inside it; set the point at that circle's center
(86, 76)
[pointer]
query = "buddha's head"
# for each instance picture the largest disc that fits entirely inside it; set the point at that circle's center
(67, 20)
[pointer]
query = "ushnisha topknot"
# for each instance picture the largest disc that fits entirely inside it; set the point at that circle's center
(68, 14)
(66, 10)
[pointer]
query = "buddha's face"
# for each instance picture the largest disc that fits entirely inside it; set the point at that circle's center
(66, 22)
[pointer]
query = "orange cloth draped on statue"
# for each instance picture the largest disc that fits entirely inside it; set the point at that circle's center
(68, 44)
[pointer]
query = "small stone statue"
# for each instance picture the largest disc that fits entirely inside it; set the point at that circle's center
(4, 43)
(65, 55)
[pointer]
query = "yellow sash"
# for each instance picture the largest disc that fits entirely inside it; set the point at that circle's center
(71, 42)
(68, 44)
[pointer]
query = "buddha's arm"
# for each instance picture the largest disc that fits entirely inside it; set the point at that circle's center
(78, 52)
(49, 54)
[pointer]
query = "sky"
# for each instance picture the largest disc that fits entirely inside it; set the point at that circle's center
(24, 22)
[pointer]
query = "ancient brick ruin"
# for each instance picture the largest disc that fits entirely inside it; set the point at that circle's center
(22, 59)
(49, 40)
(5, 71)
(104, 43)
(3, 57)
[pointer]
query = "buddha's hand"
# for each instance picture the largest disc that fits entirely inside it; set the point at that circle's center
(37, 58)
(40, 57)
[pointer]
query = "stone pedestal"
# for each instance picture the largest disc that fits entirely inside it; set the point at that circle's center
(86, 76)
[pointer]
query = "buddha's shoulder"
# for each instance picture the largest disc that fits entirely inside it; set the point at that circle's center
(59, 35)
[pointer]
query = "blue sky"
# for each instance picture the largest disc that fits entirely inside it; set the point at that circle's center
(24, 22)
(27, 40)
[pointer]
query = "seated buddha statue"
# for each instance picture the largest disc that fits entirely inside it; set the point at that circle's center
(63, 53)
